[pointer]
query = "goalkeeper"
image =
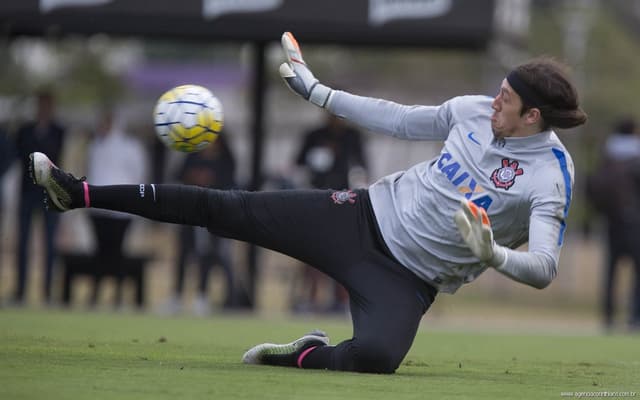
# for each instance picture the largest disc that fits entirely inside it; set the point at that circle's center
(503, 178)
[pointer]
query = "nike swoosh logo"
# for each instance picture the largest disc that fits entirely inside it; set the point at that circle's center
(472, 138)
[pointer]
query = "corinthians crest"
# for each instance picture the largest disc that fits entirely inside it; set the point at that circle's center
(505, 176)
(343, 196)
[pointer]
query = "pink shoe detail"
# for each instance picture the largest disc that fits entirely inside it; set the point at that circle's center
(87, 202)
(304, 354)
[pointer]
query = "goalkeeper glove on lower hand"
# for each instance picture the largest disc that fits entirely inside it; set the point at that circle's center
(475, 228)
(298, 77)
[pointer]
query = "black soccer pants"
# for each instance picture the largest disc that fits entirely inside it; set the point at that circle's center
(333, 231)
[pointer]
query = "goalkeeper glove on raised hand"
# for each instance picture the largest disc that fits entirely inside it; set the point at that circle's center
(298, 77)
(475, 228)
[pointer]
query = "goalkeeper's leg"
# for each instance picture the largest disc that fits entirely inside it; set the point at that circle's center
(301, 224)
(387, 304)
(305, 224)
(311, 225)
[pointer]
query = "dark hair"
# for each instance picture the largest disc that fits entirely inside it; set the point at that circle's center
(625, 126)
(550, 81)
(44, 93)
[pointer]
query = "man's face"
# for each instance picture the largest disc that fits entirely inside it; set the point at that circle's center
(506, 120)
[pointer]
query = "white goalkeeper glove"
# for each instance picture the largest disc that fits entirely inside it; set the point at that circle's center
(475, 228)
(298, 77)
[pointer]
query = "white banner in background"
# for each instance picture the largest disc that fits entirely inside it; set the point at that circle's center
(48, 5)
(212, 9)
(382, 11)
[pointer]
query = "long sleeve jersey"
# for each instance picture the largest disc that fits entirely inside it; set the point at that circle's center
(523, 183)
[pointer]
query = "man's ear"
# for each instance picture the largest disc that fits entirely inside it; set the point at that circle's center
(533, 116)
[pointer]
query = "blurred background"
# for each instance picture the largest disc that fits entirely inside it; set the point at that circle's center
(98, 58)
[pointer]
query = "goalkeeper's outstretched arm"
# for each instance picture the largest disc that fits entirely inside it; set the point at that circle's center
(378, 115)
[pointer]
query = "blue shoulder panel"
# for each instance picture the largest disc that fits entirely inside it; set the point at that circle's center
(562, 160)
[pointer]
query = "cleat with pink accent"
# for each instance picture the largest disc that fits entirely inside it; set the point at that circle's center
(63, 191)
(289, 354)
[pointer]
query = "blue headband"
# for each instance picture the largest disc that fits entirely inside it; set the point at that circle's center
(528, 94)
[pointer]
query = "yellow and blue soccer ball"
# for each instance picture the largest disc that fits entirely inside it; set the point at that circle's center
(188, 118)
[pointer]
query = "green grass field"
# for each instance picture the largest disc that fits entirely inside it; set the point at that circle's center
(78, 355)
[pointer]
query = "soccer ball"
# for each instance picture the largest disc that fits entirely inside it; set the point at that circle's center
(187, 118)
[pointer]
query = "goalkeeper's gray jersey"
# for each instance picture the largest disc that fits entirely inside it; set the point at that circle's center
(523, 183)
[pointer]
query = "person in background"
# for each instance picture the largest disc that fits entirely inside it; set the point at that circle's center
(114, 156)
(7, 153)
(329, 155)
(614, 191)
(212, 167)
(45, 134)
(7, 156)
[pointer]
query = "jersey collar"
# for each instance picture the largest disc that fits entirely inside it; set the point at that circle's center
(523, 142)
